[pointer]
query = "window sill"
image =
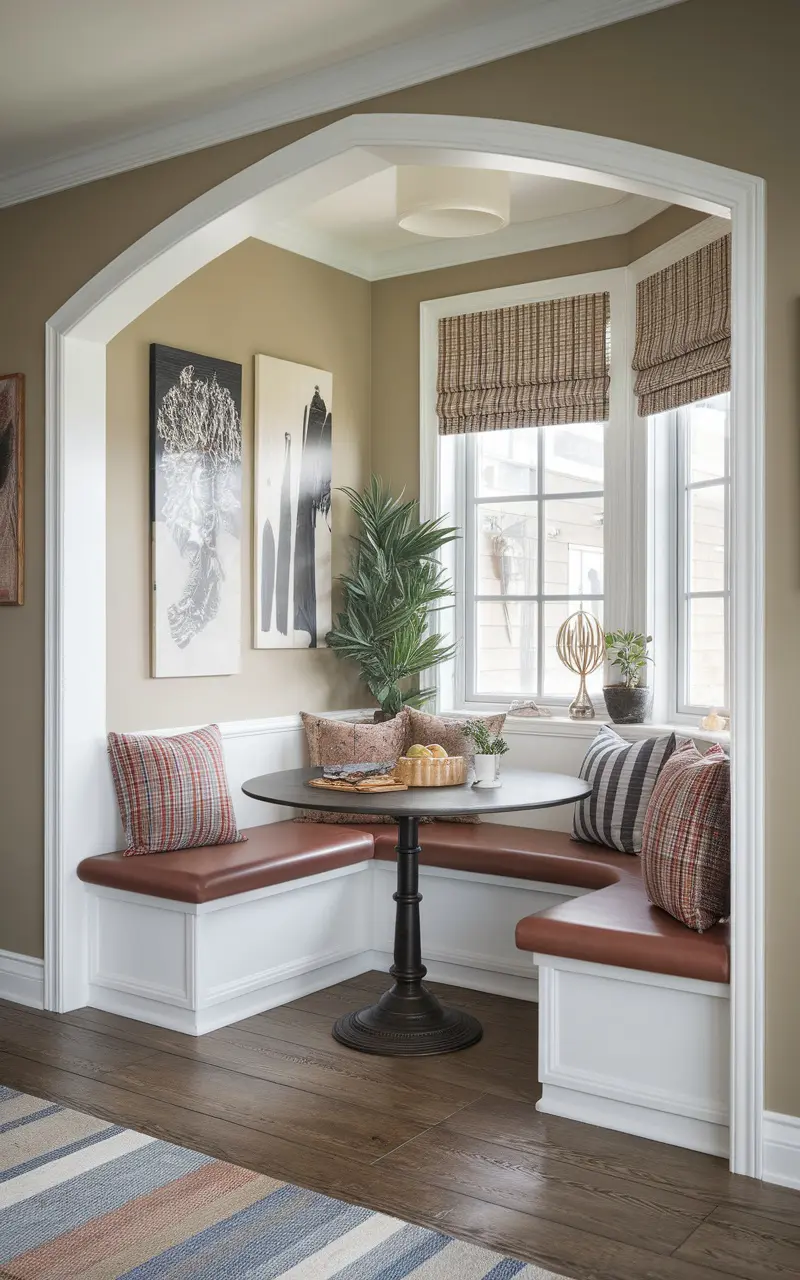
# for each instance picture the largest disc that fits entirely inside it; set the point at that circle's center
(562, 727)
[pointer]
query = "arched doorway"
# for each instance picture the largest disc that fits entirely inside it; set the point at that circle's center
(77, 822)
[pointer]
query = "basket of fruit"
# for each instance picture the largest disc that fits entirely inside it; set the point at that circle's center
(430, 767)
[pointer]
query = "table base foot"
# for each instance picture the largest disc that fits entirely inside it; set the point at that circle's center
(397, 1034)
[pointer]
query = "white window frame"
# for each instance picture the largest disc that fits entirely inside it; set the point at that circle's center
(659, 584)
(443, 468)
(467, 579)
(640, 520)
(679, 430)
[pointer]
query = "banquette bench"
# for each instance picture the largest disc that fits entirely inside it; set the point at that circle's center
(633, 1006)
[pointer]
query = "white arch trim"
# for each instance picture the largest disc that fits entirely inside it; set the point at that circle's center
(77, 822)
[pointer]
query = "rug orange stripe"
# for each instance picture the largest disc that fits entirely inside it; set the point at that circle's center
(137, 1220)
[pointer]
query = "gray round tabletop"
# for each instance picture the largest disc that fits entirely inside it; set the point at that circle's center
(520, 789)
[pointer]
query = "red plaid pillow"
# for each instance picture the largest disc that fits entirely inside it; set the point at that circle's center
(172, 791)
(686, 846)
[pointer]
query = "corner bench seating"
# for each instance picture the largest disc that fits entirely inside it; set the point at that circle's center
(633, 1006)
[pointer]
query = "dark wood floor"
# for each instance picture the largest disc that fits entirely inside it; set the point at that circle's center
(452, 1143)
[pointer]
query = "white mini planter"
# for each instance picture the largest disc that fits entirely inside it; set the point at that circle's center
(487, 771)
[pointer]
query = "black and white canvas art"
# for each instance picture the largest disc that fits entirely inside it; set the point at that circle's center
(292, 505)
(195, 513)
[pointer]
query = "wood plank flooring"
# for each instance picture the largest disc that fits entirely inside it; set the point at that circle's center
(453, 1143)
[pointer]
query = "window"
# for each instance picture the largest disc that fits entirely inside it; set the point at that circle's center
(627, 519)
(533, 554)
(702, 596)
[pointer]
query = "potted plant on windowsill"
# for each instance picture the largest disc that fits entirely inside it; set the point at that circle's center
(630, 701)
(394, 584)
(489, 747)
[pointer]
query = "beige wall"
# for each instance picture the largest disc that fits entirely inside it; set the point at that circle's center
(253, 299)
(714, 79)
(395, 325)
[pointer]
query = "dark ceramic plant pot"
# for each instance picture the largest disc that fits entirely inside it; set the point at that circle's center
(628, 706)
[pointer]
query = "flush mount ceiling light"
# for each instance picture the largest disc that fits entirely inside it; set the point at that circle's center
(450, 203)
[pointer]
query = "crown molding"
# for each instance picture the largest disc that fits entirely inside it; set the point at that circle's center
(546, 233)
(354, 80)
(696, 237)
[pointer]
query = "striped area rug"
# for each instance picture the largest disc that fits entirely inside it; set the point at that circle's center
(80, 1197)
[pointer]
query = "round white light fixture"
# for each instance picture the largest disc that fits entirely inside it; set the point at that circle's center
(451, 203)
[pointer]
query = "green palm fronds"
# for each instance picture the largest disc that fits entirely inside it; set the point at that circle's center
(394, 583)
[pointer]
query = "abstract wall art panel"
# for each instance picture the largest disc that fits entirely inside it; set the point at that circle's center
(195, 513)
(292, 505)
(12, 426)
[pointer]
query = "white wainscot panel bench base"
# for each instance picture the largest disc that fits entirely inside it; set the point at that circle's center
(196, 967)
(644, 1053)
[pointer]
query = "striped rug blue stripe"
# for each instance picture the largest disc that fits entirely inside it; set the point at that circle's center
(115, 1204)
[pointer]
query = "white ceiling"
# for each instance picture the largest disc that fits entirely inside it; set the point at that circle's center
(77, 72)
(353, 223)
(364, 214)
(93, 87)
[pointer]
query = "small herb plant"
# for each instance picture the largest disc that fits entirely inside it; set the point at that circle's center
(484, 742)
(627, 650)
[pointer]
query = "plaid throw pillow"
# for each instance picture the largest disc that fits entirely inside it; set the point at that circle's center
(172, 791)
(622, 775)
(686, 850)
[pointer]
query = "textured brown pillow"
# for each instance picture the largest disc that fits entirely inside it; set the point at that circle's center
(686, 844)
(449, 733)
(345, 742)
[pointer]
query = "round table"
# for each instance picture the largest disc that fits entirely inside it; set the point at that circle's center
(408, 1020)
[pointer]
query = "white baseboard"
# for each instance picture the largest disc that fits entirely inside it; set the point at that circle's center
(781, 1163)
(22, 979)
(199, 1022)
(644, 1122)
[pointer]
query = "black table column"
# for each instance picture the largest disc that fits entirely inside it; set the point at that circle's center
(408, 1020)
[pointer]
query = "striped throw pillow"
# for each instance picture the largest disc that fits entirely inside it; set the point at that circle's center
(686, 852)
(172, 791)
(622, 775)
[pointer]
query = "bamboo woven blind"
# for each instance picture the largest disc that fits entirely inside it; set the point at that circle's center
(683, 330)
(535, 365)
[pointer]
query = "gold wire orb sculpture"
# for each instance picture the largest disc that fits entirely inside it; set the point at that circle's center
(581, 646)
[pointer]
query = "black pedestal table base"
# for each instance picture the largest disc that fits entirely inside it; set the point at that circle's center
(408, 1020)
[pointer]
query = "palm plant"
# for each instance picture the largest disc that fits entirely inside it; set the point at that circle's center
(393, 585)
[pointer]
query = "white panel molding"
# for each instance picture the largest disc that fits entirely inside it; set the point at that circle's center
(673, 1071)
(22, 979)
(781, 1149)
(207, 965)
(76, 821)
(348, 82)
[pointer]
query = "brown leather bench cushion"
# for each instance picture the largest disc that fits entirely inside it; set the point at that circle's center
(272, 854)
(614, 925)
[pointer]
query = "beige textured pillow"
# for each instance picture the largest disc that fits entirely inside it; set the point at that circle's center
(449, 733)
(345, 742)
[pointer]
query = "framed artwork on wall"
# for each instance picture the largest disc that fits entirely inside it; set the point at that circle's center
(12, 428)
(292, 505)
(195, 513)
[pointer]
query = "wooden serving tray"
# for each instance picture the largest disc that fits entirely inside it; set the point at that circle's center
(370, 786)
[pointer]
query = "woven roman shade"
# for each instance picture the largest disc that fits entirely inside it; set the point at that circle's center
(683, 330)
(531, 366)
